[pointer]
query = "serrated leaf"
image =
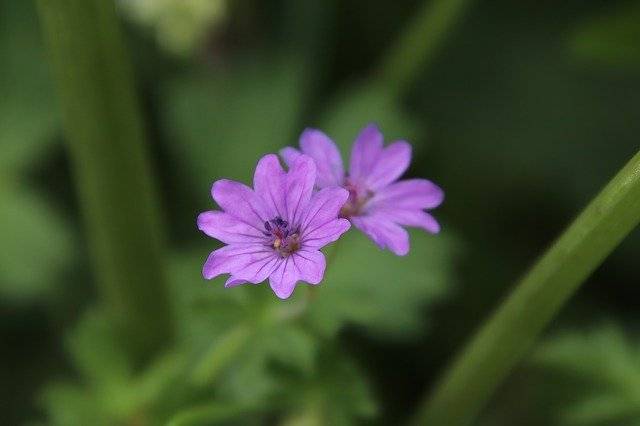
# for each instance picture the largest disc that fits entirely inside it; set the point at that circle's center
(380, 291)
(338, 394)
(605, 365)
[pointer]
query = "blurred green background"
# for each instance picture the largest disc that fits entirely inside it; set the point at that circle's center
(521, 114)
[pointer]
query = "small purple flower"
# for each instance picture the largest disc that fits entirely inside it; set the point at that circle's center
(275, 230)
(378, 202)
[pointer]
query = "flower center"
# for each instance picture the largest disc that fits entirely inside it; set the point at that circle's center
(282, 238)
(358, 197)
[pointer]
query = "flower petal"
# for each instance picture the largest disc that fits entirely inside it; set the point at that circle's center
(283, 280)
(252, 262)
(392, 162)
(300, 181)
(382, 231)
(289, 155)
(240, 201)
(228, 229)
(415, 218)
(324, 206)
(269, 184)
(364, 155)
(310, 264)
(414, 194)
(317, 145)
(325, 233)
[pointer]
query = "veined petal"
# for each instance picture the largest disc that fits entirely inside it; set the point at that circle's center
(310, 264)
(323, 234)
(392, 162)
(382, 231)
(289, 155)
(364, 155)
(415, 218)
(324, 206)
(414, 194)
(269, 184)
(252, 262)
(300, 181)
(317, 145)
(240, 201)
(283, 280)
(228, 229)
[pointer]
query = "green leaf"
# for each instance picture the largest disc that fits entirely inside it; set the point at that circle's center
(365, 103)
(221, 123)
(380, 291)
(338, 394)
(37, 244)
(71, 405)
(605, 366)
(215, 413)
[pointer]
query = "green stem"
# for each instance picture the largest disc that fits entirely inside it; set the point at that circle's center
(509, 334)
(106, 141)
(419, 43)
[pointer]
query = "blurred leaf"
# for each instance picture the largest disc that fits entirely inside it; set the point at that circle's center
(380, 291)
(221, 123)
(37, 242)
(72, 405)
(336, 395)
(612, 38)
(215, 413)
(98, 352)
(362, 104)
(607, 368)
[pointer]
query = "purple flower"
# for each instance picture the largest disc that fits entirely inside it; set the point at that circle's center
(378, 202)
(275, 230)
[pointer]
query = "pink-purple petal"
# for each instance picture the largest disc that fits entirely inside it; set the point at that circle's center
(364, 154)
(228, 229)
(283, 280)
(269, 184)
(414, 218)
(244, 261)
(392, 162)
(240, 201)
(289, 155)
(415, 194)
(324, 206)
(318, 146)
(326, 233)
(299, 187)
(382, 231)
(310, 264)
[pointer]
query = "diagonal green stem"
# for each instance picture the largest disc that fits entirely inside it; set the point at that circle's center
(106, 142)
(417, 45)
(508, 335)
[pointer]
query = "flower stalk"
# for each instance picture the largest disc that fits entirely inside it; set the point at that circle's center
(106, 142)
(511, 331)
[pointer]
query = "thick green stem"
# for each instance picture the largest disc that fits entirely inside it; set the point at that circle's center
(417, 45)
(509, 334)
(106, 142)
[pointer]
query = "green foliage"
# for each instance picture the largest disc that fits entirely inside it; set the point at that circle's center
(385, 294)
(221, 122)
(604, 367)
(37, 242)
(612, 38)
(363, 103)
